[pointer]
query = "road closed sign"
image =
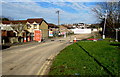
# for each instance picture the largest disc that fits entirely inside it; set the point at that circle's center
(37, 35)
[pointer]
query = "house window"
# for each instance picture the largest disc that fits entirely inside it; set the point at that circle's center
(35, 26)
(28, 26)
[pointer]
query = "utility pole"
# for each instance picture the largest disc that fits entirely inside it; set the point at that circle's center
(58, 12)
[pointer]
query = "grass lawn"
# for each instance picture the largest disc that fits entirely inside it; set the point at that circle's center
(88, 58)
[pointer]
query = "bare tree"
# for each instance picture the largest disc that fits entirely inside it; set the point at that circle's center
(19, 28)
(113, 15)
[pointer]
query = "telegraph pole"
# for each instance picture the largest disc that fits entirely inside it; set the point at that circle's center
(58, 12)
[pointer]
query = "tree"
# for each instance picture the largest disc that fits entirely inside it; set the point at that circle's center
(4, 18)
(112, 11)
(19, 28)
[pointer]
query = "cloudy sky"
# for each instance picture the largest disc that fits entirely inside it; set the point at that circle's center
(70, 12)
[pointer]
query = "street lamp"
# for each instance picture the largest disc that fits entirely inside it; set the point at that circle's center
(104, 25)
(116, 35)
(117, 29)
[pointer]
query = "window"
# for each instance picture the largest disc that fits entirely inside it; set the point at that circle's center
(35, 26)
(28, 26)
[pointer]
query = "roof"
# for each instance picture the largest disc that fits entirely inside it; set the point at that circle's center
(52, 25)
(32, 20)
(37, 20)
(68, 27)
(6, 22)
(19, 21)
(14, 22)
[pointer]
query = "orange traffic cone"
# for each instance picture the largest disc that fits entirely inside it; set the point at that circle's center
(24, 39)
(75, 40)
(28, 38)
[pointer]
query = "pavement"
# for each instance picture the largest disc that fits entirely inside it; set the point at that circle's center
(34, 58)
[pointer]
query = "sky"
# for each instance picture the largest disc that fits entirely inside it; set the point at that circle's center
(70, 12)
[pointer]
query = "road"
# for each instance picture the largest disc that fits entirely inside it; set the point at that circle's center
(29, 59)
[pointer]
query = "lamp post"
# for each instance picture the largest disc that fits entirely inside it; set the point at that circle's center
(116, 35)
(104, 25)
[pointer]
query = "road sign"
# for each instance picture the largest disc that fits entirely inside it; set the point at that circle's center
(37, 35)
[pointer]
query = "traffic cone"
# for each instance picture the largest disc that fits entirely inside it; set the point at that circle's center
(24, 39)
(75, 40)
(28, 38)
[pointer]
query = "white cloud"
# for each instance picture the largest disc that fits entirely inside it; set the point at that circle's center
(26, 10)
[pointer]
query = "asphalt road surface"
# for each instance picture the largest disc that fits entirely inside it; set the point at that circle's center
(29, 59)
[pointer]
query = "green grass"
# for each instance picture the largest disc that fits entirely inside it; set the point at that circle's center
(105, 53)
(73, 60)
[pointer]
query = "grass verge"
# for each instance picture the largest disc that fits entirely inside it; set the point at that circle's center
(74, 60)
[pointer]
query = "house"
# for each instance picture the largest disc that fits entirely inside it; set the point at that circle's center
(24, 29)
(37, 24)
(7, 34)
(64, 29)
(54, 28)
(18, 27)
